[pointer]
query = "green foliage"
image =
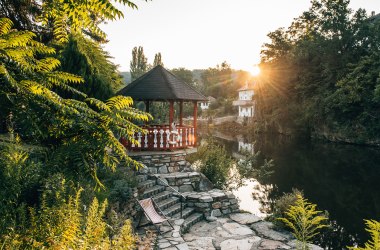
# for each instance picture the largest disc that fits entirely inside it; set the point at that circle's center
(62, 223)
(84, 132)
(86, 58)
(139, 64)
(304, 220)
(80, 16)
(321, 73)
(373, 227)
(213, 161)
(282, 205)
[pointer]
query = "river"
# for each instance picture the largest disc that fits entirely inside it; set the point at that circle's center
(342, 179)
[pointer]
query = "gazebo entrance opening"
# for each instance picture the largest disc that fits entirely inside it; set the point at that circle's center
(159, 85)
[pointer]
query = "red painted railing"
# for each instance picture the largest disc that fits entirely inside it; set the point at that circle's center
(161, 137)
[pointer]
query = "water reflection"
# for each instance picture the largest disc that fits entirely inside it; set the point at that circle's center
(342, 179)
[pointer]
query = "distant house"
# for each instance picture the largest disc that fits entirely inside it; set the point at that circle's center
(206, 104)
(246, 103)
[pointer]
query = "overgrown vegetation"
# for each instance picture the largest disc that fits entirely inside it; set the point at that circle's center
(304, 221)
(373, 227)
(223, 171)
(63, 127)
(320, 75)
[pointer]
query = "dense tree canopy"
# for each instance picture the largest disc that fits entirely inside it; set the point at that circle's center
(60, 124)
(321, 74)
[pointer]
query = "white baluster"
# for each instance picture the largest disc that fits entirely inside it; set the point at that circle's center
(133, 137)
(155, 138)
(176, 137)
(161, 138)
(146, 140)
(167, 137)
(180, 137)
(139, 139)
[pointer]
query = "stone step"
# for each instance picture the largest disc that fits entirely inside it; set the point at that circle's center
(150, 192)
(146, 184)
(162, 196)
(172, 210)
(141, 178)
(191, 220)
(185, 213)
(167, 202)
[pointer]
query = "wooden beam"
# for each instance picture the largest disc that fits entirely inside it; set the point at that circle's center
(181, 113)
(195, 111)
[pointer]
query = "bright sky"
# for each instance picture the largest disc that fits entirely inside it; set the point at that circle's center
(198, 34)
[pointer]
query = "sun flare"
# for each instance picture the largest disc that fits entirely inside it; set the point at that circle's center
(254, 71)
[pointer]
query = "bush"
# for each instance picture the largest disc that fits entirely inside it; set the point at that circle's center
(373, 227)
(63, 222)
(213, 161)
(282, 205)
(304, 221)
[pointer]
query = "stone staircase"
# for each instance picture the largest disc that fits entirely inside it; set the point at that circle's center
(168, 201)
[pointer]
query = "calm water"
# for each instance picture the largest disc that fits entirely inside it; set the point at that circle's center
(342, 179)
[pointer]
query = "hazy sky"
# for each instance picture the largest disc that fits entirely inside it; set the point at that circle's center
(199, 34)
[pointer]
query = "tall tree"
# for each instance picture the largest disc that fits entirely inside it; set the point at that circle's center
(158, 60)
(138, 65)
(323, 68)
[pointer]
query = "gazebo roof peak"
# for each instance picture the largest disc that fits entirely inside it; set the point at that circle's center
(159, 84)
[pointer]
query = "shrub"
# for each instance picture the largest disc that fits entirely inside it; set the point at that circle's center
(68, 225)
(373, 227)
(213, 161)
(304, 220)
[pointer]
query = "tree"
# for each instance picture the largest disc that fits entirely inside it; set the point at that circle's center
(138, 65)
(323, 68)
(158, 60)
(84, 57)
(79, 129)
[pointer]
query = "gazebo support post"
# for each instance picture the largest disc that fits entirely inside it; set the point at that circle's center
(181, 113)
(195, 111)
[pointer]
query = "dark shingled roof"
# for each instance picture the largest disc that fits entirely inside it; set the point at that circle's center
(159, 84)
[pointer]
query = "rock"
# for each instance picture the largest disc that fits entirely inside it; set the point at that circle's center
(183, 246)
(211, 218)
(162, 170)
(216, 205)
(245, 218)
(293, 244)
(243, 244)
(186, 188)
(265, 229)
(179, 222)
(205, 184)
(206, 199)
(163, 245)
(237, 229)
(272, 245)
(201, 243)
(216, 213)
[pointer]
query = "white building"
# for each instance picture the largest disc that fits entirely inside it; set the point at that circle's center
(205, 105)
(245, 102)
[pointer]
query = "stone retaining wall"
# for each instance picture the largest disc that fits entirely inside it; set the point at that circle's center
(213, 203)
(182, 182)
(163, 162)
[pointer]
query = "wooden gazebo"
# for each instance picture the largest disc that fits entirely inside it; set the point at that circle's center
(159, 85)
